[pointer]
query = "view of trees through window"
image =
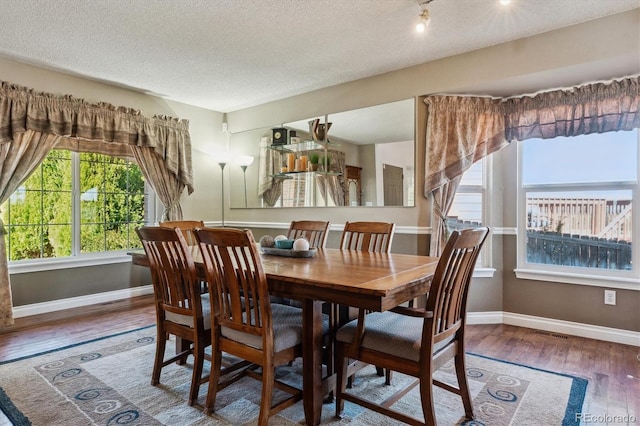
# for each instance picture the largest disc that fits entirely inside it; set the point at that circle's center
(44, 219)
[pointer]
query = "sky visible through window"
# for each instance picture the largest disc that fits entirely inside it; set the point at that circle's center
(607, 158)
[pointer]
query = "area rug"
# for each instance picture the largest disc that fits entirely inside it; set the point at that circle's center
(106, 381)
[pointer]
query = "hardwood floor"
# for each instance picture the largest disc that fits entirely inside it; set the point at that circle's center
(38, 333)
(613, 370)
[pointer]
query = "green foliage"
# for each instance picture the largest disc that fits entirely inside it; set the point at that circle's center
(39, 215)
(314, 158)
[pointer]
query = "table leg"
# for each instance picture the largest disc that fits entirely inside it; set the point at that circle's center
(312, 360)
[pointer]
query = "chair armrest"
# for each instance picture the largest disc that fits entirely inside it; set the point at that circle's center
(412, 312)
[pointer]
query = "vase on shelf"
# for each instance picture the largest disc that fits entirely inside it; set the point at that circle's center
(318, 130)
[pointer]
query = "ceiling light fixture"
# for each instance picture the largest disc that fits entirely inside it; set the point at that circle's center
(423, 17)
(505, 2)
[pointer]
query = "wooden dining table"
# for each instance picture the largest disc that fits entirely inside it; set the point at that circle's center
(372, 281)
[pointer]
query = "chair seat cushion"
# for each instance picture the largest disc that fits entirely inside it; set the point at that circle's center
(390, 333)
(188, 319)
(287, 329)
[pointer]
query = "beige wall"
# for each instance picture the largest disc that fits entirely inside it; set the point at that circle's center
(597, 50)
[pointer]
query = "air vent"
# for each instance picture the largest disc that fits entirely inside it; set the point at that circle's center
(546, 333)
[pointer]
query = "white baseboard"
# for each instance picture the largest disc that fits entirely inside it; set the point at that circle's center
(76, 302)
(590, 331)
(489, 317)
(608, 334)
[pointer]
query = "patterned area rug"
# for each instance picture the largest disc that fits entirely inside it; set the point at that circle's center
(107, 382)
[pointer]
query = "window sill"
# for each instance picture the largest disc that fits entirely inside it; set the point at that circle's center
(580, 279)
(483, 272)
(27, 266)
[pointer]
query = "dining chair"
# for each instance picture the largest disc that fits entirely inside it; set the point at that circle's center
(417, 341)
(247, 325)
(181, 308)
(315, 231)
(371, 237)
(367, 236)
(186, 226)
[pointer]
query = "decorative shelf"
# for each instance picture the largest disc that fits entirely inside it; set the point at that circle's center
(292, 175)
(306, 145)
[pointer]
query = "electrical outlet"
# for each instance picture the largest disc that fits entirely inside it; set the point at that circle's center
(609, 297)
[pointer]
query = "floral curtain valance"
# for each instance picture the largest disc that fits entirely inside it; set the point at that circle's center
(582, 110)
(99, 127)
(463, 129)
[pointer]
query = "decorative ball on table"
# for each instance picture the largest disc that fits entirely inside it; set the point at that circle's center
(267, 241)
(301, 244)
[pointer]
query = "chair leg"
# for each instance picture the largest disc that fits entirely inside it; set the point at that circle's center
(161, 344)
(196, 375)
(268, 377)
(341, 380)
(387, 374)
(426, 396)
(463, 385)
(182, 345)
(214, 378)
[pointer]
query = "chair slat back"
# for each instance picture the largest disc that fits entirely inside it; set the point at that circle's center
(187, 227)
(315, 231)
(237, 282)
(175, 284)
(367, 236)
(447, 295)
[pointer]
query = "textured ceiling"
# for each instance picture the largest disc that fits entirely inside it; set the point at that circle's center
(232, 54)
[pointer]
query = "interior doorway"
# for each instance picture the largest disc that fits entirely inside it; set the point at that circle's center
(392, 181)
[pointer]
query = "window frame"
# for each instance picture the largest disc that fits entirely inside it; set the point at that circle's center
(485, 268)
(609, 278)
(78, 259)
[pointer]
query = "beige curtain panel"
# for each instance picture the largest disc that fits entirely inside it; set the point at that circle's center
(32, 123)
(459, 131)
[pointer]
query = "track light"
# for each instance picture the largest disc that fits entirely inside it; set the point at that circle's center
(424, 21)
(424, 17)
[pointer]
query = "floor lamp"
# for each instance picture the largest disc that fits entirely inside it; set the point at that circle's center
(244, 161)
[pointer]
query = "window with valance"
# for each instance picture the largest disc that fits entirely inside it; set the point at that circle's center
(462, 130)
(32, 124)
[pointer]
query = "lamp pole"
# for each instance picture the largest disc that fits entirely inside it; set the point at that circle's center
(244, 173)
(244, 161)
(222, 189)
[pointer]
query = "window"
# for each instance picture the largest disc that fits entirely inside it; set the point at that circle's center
(295, 191)
(469, 207)
(76, 204)
(576, 202)
(300, 190)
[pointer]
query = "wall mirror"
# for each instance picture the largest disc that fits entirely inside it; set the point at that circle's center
(372, 161)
